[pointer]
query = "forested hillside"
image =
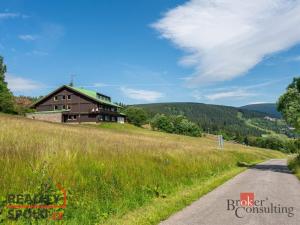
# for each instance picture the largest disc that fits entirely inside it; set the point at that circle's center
(269, 108)
(215, 118)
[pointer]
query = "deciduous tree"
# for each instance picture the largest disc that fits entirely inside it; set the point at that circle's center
(289, 104)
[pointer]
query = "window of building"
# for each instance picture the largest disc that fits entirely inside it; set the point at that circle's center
(106, 118)
(63, 97)
(72, 117)
(55, 98)
(99, 117)
(56, 107)
(69, 97)
(64, 107)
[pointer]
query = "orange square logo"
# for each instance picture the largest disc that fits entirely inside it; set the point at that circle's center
(247, 199)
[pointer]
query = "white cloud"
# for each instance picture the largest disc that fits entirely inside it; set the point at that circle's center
(239, 93)
(224, 39)
(37, 53)
(16, 83)
(254, 103)
(141, 94)
(10, 15)
(27, 37)
(7, 15)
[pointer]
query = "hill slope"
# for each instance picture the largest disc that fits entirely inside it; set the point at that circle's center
(233, 123)
(212, 118)
(112, 169)
(269, 108)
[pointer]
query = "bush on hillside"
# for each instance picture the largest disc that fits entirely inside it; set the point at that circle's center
(175, 124)
(163, 123)
(136, 116)
(275, 143)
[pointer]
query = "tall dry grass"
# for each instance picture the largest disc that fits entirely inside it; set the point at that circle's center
(109, 171)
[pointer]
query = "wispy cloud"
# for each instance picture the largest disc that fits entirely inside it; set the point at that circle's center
(37, 53)
(7, 15)
(294, 59)
(28, 37)
(17, 83)
(239, 93)
(254, 103)
(225, 39)
(145, 95)
(229, 94)
(234, 92)
(11, 15)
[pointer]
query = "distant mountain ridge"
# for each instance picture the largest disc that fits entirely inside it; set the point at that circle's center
(269, 108)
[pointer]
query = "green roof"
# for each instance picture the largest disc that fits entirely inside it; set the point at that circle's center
(92, 94)
(88, 93)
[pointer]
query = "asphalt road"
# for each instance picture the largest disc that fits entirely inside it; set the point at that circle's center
(276, 194)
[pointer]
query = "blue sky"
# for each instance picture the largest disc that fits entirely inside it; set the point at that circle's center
(140, 51)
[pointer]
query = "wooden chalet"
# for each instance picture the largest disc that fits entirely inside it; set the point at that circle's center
(69, 104)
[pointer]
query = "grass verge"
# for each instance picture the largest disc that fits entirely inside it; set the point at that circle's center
(294, 165)
(162, 208)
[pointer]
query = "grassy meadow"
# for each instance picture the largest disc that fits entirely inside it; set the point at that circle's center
(115, 174)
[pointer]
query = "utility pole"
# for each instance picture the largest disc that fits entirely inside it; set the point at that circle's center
(220, 141)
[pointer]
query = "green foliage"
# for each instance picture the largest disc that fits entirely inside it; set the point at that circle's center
(163, 123)
(6, 97)
(136, 116)
(289, 104)
(294, 165)
(175, 124)
(274, 142)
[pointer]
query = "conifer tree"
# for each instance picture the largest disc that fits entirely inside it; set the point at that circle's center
(6, 97)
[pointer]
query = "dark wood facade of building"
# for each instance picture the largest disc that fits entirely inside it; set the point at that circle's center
(78, 105)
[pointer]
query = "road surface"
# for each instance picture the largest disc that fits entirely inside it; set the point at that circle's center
(276, 200)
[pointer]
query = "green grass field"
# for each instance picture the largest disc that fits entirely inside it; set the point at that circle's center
(115, 174)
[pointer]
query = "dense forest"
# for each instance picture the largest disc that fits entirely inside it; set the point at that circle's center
(269, 108)
(216, 119)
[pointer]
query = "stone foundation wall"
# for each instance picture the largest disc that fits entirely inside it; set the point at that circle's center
(51, 117)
